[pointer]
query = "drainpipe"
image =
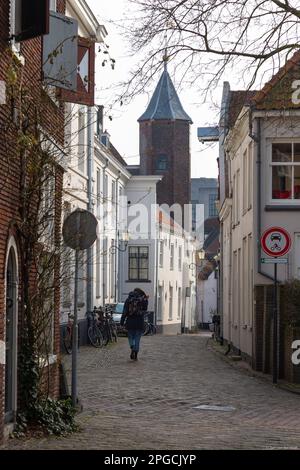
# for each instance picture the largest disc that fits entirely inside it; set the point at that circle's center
(90, 161)
(103, 247)
(117, 256)
(157, 244)
(257, 139)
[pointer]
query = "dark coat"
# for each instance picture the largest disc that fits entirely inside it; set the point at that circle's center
(134, 322)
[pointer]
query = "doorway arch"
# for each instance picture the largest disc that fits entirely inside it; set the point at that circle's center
(11, 331)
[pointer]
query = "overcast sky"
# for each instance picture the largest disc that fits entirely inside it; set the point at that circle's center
(124, 128)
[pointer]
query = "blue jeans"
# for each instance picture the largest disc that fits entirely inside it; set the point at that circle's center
(134, 338)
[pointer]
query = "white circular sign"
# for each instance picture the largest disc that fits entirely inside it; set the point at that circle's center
(276, 241)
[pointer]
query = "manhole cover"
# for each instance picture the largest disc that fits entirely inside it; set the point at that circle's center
(215, 408)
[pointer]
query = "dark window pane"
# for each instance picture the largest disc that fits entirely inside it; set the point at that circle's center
(297, 153)
(282, 182)
(297, 182)
(282, 153)
(162, 162)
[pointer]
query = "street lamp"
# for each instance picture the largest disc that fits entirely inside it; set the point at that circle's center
(122, 240)
(201, 257)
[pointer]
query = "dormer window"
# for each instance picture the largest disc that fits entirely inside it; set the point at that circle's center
(162, 162)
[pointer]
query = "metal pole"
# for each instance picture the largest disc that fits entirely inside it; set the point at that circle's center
(275, 329)
(75, 334)
(90, 169)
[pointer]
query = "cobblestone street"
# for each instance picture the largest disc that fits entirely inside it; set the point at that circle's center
(150, 404)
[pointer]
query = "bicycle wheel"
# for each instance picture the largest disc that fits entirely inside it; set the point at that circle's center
(152, 330)
(146, 329)
(105, 334)
(114, 331)
(95, 336)
(67, 340)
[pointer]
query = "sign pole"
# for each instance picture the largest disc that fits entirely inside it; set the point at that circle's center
(275, 329)
(75, 333)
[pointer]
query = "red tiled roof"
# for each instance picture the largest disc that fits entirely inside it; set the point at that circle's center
(289, 65)
(238, 99)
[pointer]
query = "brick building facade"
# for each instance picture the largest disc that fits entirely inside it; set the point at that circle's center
(27, 58)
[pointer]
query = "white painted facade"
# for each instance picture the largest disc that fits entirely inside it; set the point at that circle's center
(207, 299)
(248, 212)
(171, 280)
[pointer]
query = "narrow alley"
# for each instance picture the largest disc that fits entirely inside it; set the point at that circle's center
(151, 404)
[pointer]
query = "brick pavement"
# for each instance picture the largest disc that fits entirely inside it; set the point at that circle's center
(150, 404)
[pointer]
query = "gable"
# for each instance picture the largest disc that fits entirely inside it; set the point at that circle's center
(280, 91)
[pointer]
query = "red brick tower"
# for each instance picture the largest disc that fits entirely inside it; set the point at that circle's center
(165, 143)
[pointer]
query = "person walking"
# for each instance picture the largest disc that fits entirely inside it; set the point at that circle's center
(135, 307)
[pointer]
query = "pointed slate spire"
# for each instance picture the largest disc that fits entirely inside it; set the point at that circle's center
(165, 103)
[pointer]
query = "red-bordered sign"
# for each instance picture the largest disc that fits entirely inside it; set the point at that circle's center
(276, 241)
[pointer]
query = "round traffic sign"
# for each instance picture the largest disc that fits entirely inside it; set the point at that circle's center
(80, 230)
(276, 241)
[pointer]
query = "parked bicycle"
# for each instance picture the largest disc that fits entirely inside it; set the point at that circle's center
(94, 331)
(102, 329)
(68, 334)
(149, 328)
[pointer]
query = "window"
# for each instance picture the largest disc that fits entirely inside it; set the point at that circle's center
(105, 196)
(171, 303)
(138, 263)
(112, 270)
(286, 171)
(81, 139)
(105, 268)
(15, 22)
(161, 254)
(245, 181)
(180, 258)
(179, 304)
(98, 191)
(238, 206)
(250, 176)
(28, 20)
(98, 254)
(162, 163)
(113, 193)
(212, 205)
(172, 258)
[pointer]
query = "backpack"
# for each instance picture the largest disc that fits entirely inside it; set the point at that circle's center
(135, 306)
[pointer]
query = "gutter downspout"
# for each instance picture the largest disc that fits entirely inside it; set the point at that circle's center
(103, 244)
(117, 256)
(90, 161)
(257, 139)
(156, 276)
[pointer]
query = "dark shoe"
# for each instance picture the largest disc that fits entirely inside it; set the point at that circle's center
(135, 355)
(132, 355)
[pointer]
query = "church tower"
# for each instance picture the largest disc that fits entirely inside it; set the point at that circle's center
(165, 143)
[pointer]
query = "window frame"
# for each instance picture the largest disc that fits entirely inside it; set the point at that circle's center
(271, 164)
(138, 248)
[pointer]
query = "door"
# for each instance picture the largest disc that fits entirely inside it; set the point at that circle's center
(11, 325)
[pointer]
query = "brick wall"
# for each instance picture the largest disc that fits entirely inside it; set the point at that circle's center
(51, 118)
(263, 336)
(170, 138)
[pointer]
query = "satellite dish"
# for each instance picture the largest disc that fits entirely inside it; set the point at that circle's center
(80, 230)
